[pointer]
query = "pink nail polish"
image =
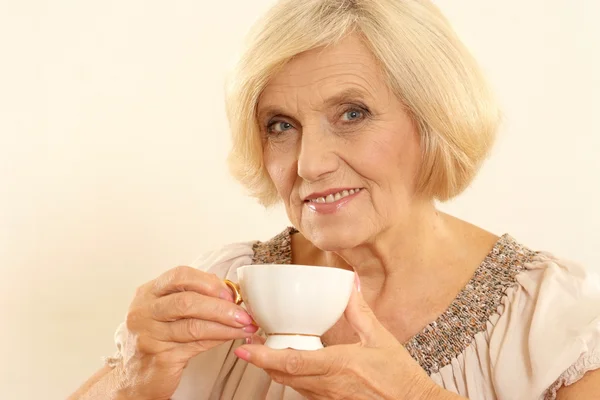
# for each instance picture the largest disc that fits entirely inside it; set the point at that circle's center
(243, 318)
(248, 340)
(250, 328)
(242, 353)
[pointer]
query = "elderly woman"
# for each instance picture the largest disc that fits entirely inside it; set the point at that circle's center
(358, 115)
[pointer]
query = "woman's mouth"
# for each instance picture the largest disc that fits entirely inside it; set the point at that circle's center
(332, 198)
(330, 203)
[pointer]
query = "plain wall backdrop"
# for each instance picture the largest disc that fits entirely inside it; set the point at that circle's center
(113, 141)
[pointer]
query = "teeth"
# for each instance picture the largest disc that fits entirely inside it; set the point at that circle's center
(335, 197)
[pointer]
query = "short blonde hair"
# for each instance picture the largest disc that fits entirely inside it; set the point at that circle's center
(426, 65)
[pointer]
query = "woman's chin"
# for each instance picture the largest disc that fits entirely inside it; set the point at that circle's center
(332, 239)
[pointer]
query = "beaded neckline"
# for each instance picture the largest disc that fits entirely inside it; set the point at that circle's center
(454, 330)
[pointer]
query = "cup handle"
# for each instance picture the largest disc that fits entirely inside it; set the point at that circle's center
(235, 288)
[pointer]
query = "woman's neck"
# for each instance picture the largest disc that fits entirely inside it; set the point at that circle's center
(405, 255)
(431, 255)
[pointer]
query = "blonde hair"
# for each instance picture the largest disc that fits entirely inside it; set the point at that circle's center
(426, 66)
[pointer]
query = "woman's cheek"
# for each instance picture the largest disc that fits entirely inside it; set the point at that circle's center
(281, 176)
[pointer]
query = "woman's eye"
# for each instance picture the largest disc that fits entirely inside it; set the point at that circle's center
(279, 127)
(352, 115)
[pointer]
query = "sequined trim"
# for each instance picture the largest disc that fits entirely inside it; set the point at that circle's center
(278, 250)
(453, 331)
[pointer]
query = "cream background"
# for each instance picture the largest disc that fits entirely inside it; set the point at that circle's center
(113, 139)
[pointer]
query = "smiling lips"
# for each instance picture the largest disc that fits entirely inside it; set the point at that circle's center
(331, 202)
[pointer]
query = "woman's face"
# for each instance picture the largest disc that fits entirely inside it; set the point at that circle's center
(339, 146)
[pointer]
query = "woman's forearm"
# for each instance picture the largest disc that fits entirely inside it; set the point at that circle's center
(105, 384)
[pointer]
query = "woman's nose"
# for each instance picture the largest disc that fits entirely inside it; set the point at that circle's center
(316, 158)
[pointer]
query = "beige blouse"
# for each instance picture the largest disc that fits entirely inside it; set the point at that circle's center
(525, 325)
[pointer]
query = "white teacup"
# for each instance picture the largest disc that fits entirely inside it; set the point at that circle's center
(294, 304)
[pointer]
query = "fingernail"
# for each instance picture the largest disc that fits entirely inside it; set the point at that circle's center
(248, 340)
(242, 353)
(250, 329)
(243, 318)
(357, 282)
(226, 295)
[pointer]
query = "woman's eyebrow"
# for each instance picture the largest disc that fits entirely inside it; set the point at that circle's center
(268, 112)
(344, 96)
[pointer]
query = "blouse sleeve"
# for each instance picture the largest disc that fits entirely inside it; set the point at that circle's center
(549, 333)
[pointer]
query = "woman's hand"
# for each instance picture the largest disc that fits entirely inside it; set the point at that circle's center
(376, 368)
(171, 319)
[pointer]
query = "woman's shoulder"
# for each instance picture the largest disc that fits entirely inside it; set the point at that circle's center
(564, 295)
(549, 291)
(555, 274)
(225, 260)
(533, 270)
(551, 318)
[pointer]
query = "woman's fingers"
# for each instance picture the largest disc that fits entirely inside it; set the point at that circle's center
(184, 305)
(183, 278)
(255, 339)
(364, 322)
(295, 362)
(194, 330)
